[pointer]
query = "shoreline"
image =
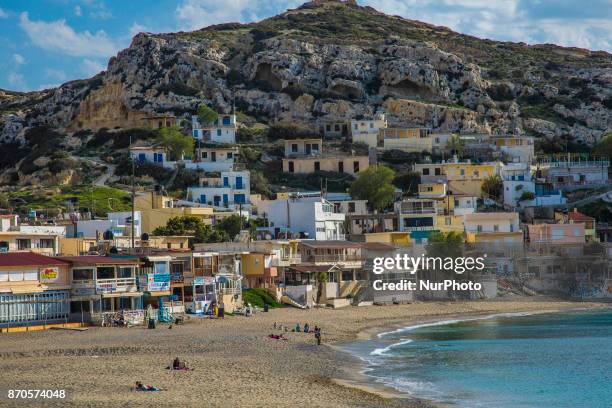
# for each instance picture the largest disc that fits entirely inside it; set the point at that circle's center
(364, 382)
(235, 362)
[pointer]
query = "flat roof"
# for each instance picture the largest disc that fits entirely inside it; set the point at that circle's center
(330, 244)
(28, 259)
(97, 259)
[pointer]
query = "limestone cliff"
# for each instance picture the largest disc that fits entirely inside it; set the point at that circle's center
(333, 60)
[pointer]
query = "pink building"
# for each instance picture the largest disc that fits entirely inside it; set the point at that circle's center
(556, 233)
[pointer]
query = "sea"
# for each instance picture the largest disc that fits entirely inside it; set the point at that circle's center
(507, 361)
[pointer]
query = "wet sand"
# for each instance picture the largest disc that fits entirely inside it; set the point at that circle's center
(234, 362)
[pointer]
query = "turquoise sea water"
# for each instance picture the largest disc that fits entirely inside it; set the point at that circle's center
(506, 361)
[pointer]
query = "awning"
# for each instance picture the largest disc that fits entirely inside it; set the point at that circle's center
(121, 294)
(159, 293)
(22, 290)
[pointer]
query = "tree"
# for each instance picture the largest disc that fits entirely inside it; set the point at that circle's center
(375, 185)
(321, 280)
(192, 226)
(176, 142)
(231, 225)
(445, 244)
(456, 146)
(493, 186)
(408, 182)
(206, 115)
(526, 196)
(604, 147)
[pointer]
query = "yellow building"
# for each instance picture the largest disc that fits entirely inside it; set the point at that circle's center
(38, 242)
(76, 246)
(396, 238)
(337, 163)
(461, 178)
(157, 209)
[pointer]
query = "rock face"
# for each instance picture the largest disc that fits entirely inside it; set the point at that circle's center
(330, 60)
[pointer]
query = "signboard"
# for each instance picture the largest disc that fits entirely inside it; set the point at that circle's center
(49, 275)
(155, 282)
(176, 277)
(203, 280)
(83, 291)
(106, 287)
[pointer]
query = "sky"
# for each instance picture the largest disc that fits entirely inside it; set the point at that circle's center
(44, 43)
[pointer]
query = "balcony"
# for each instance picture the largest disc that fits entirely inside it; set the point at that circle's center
(204, 271)
(333, 258)
(116, 285)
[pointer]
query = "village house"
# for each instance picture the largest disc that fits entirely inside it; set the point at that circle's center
(334, 129)
(344, 203)
(102, 285)
(157, 209)
(462, 178)
(342, 264)
(41, 239)
(518, 181)
(307, 217)
(367, 130)
(117, 223)
(576, 217)
(556, 233)
(231, 189)
(34, 289)
(149, 154)
(418, 216)
(305, 156)
(519, 149)
(222, 130)
(493, 227)
(214, 158)
(573, 169)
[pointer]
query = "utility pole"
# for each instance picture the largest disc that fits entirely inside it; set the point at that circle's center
(133, 193)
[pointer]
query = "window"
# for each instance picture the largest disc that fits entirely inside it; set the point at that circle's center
(230, 155)
(315, 146)
(456, 203)
(337, 128)
(204, 155)
(218, 132)
(45, 243)
(437, 171)
(291, 168)
(341, 167)
(476, 173)
(371, 126)
(496, 228)
(317, 166)
(355, 166)
(126, 272)
(462, 172)
(24, 244)
(328, 128)
(447, 221)
(577, 232)
(479, 228)
(82, 274)
(294, 147)
(426, 172)
(351, 207)
(356, 126)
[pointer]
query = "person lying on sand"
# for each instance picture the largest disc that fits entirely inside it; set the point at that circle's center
(141, 387)
(277, 337)
(177, 364)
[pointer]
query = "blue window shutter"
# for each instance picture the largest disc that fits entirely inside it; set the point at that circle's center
(203, 198)
(239, 182)
(225, 182)
(225, 199)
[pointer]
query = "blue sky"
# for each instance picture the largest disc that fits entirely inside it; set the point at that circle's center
(46, 42)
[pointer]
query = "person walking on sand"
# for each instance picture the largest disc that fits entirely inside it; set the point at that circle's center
(318, 335)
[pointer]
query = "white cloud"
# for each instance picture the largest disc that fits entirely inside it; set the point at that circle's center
(59, 36)
(56, 74)
(77, 11)
(18, 59)
(90, 67)
(137, 28)
(3, 14)
(16, 81)
(195, 14)
(565, 23)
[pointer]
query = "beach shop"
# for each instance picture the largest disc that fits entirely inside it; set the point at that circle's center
(154, 279)
(34, 289)
(102, 286)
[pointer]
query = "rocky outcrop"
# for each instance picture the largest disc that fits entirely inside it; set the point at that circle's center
(283, 69)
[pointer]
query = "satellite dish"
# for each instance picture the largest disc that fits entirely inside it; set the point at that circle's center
(268, 236)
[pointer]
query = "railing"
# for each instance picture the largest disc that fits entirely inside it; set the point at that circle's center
(421, 211)
(204, 271)
(334, 258)
(118, 284)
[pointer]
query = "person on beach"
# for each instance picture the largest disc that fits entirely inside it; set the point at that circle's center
(141, 387)
(306, 328)
(318, 335)
(297, 328)
(177, 364)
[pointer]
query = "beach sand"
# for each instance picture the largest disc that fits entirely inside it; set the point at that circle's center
(234, 362)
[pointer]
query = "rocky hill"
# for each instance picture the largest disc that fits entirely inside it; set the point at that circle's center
(333, 60)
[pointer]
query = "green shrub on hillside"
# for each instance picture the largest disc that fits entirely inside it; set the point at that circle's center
(259, 298)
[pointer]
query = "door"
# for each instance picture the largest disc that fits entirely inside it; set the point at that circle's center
(217, 200)
(341, 167)
(225, 182)
(225, 199)
(203, 198)
(308, 148)
(213, 156)
(239, 183)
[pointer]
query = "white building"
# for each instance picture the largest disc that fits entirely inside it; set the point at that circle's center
(231, 189)
(492, 222)
(223, 130)
(119, 223)
(517, 181)
(214, 159)
(366, 130)
(516, 148)
(573, 170)
(150, 154)
(313, 217)
(344, 203)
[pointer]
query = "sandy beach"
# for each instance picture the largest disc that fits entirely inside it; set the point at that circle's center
(234, 362)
